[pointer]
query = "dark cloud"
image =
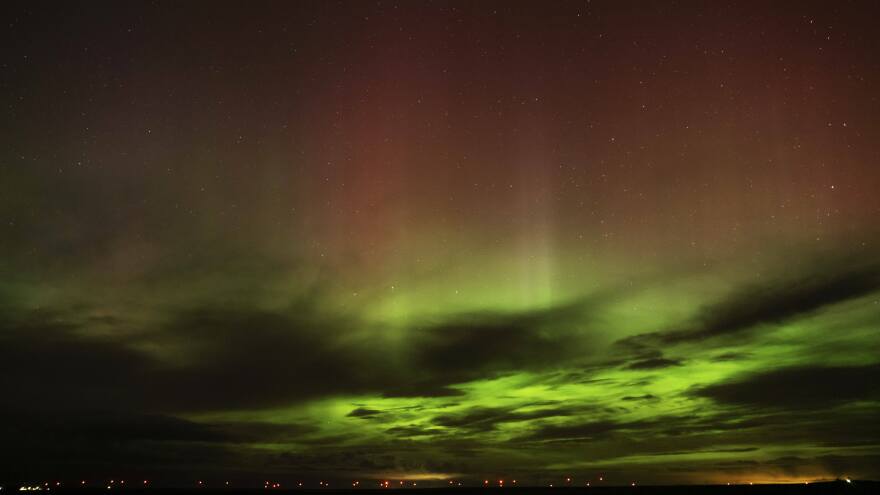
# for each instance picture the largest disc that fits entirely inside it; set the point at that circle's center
(424, 387)
(645, 397)
(846, 427)
(258, 358)
(686, 452)
(731, 356)
(591, 430)
(250, 358)
(781, 300)
(807, 387)
(235, 358)
(487, 418)
(107, 442)
(363, 412)
(242, 432)
(65, 369)
(777, 301)
(412, 431)
(469, 347)
(654, 363)
(101, 427)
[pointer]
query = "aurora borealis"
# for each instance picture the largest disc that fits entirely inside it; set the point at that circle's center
(440, 240)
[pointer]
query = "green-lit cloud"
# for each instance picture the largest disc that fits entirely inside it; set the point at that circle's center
(302, 392)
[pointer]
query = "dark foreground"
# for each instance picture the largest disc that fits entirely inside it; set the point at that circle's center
(832, 487)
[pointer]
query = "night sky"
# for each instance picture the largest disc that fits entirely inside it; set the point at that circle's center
(440, 240)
